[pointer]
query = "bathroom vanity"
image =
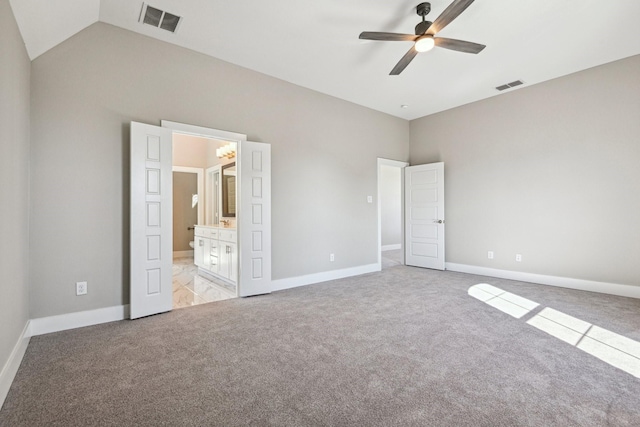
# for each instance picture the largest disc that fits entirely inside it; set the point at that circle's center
(215, 251)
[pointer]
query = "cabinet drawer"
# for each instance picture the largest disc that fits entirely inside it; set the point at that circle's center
(202, 232)
(213, 233)
(227, 235)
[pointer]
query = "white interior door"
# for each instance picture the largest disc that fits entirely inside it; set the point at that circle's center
(151, 216)
(254, 218)
(424, 216)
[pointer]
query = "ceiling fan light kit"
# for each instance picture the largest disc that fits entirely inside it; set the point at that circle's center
(424, 39)
(425, 44)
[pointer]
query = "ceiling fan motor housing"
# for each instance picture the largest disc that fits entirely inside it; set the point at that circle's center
(422, 27)
(423, 10)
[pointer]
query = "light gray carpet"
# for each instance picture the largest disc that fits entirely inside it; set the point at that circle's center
(405, 347)
(391, 258)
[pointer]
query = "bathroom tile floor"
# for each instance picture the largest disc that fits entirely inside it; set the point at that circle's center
(189, 288)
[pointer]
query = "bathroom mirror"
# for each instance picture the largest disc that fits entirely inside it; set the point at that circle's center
(229, 190)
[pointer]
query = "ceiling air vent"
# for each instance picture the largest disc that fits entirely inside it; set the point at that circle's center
(159, 18)
(510, 85)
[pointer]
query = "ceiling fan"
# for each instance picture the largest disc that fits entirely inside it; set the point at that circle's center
(424, 39)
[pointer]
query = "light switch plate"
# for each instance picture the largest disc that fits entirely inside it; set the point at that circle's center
(369, 199)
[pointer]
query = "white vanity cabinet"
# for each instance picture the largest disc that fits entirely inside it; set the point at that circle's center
(200, 246)
(228, 254)
(216, 251)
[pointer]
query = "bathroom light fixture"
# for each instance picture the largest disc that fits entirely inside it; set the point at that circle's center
(228, 151)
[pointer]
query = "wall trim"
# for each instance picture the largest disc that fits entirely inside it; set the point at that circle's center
(558, 281)
(325, 276)
(391, 247)
(62, 322)
(10, 369)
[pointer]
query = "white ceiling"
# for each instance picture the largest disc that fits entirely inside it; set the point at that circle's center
(315, 43)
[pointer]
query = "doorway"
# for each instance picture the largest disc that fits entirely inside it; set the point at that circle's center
(195, 213)
(246, 252)
(390, 213)
(421, 208)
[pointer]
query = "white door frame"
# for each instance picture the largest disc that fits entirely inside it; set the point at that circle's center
(209, 212)
(200, 178)
(239, 139)
(401, 165)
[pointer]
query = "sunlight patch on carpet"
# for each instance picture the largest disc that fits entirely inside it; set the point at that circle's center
(614, 349)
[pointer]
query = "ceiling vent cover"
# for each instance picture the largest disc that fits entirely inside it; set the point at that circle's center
(159, 18)
(510, 85)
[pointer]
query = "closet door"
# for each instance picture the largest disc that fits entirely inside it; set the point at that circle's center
(151, 239)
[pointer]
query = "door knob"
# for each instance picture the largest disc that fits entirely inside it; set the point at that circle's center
(439, 221)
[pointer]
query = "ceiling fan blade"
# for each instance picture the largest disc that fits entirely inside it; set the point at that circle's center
(402, 64)
(459, 45)
(449, 14)
(390, 37)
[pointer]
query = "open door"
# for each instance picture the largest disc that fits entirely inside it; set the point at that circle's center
(424, 216)
(150, 286)
(254, 218)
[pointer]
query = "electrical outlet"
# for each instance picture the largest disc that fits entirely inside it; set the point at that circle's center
(518, 258)
(490, 254)
(332, 257)
(81, 288)
(369, 199)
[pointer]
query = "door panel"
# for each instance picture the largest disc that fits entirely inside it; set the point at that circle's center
(424, 216)
(254, 222)
(151, 240)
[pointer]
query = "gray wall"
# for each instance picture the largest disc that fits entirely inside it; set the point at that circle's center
(86, 90)
(14, 183)
(390, 205)
(550, 171)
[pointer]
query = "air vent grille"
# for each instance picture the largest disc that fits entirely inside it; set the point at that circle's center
(159, 18)
(170, 22)
(509, 85)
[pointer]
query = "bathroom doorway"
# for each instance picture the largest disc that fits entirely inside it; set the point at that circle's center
(240, 251)
(195, 199)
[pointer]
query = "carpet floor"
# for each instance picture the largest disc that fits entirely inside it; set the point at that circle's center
(403, 347)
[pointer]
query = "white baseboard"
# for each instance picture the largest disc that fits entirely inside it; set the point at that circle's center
(309, 279)
(10, 368)
(562, 282)
(46, 325)
(391, 247)
(182, 254)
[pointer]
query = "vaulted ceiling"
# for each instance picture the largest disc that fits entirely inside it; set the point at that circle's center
(315, 44)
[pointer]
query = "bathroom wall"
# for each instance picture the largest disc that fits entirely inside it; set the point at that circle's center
(184, 214)
(14, 189)
(85, 92)
(190, 151)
